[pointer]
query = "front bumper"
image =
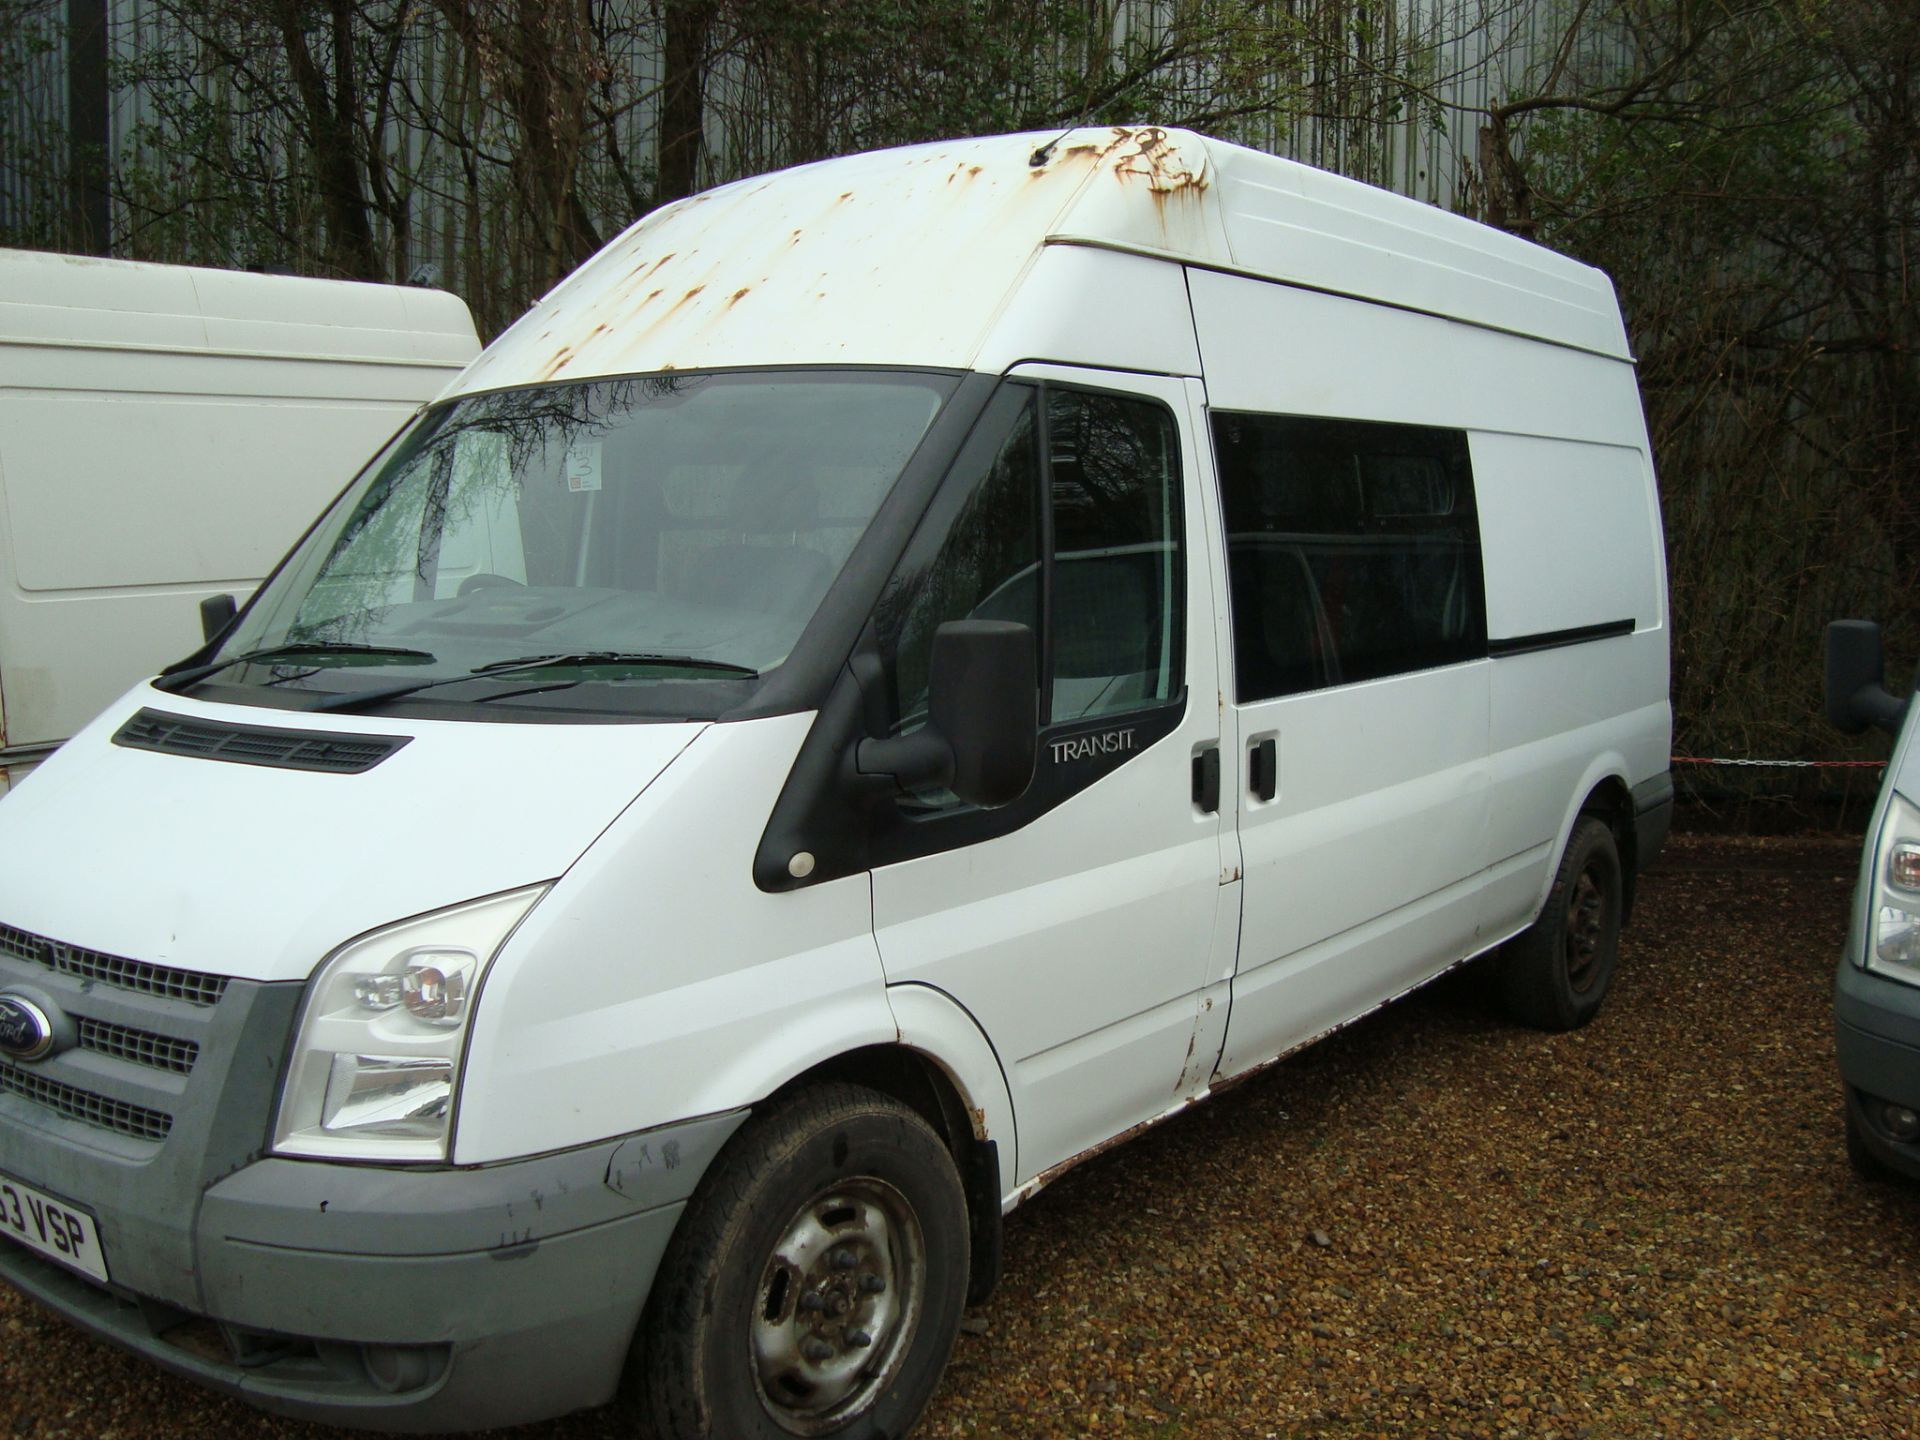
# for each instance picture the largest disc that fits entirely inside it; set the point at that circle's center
(1877, 1036)
(408, 1300)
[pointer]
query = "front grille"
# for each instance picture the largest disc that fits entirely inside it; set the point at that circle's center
(331, 751)
(142, 1047)
(85, 1105)
(122, 974)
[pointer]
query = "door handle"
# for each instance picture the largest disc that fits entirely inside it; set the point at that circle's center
(1206, 780)
(1263, 769)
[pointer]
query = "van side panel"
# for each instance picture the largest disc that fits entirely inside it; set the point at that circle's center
(124, 508)
(1270, 346)
(1313, 228)
(657, 982)
(1359, 874)
(1572, 544)
(1417, 816)
(1569, 530)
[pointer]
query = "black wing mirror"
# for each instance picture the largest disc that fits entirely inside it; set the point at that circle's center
(216, 614)
(1856, 680)
(983, 717)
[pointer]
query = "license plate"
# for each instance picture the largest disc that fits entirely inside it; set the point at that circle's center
(55, 1229)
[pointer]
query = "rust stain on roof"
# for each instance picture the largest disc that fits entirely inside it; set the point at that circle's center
(558, 363)
(1162, 166)
(737, 296)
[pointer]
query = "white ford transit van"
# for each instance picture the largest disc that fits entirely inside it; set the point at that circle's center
(164, 431)
(894, 675)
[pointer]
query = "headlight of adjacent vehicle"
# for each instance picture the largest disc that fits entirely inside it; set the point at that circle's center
(1893, 948)
(376, 1063)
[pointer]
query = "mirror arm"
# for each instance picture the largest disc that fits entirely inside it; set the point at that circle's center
(1874, 705)
(911, 761)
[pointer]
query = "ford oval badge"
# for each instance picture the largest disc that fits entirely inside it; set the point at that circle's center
(25, 1031)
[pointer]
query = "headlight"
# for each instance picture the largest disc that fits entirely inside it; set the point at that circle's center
(376, 1064)
(1893, 949)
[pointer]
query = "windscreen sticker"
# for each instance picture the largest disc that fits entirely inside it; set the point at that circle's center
(583, 466)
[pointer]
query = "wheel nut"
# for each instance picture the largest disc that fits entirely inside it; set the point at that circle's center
(812, 1303)
(816, 1350)
(842, 1259)
(872, 1284)
(860, 1338)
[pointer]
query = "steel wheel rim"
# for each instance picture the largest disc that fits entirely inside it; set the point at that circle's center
(1586, 927)
(850, 1263)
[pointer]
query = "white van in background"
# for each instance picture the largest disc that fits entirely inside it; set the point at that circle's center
(165, 433)
(896, 674)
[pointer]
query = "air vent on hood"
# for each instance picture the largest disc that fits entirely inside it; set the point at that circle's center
(328, 750)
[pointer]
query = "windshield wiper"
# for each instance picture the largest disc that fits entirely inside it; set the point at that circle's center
(173, 681)
(495, 669)
(611, 657)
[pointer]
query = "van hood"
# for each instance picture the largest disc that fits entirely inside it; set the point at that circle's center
(258, 871)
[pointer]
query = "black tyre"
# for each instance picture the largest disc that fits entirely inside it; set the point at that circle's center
(816, 1283)
(1555, 975)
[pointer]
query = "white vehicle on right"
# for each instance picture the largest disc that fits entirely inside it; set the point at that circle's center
(1876, 1001)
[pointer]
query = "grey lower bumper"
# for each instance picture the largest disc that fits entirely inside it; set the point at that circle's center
(1877, 1037)
(411, 1300)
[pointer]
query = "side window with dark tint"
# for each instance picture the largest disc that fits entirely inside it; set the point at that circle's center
(982, 563)
(1353, 551)
(1114, 488)
(1062, 513)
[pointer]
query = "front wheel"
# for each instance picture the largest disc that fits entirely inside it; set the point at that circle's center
(815, 1285)
(1554, 975)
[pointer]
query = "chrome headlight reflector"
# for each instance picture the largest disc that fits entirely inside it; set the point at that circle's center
(1893, 949)
(376, 1062)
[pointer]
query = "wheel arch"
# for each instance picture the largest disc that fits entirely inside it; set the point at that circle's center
(943, 1068)
(1603, 792)
(1611, 801)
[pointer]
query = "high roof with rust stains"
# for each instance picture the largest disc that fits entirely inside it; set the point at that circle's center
(913, 256)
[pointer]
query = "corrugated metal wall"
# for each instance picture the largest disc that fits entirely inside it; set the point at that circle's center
(1386, 90)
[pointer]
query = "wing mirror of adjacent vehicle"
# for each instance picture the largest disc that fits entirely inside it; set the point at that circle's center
(1856, 680)
(983, 718)
(216, 613)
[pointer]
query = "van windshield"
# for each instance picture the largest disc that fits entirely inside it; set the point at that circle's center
(603, 539)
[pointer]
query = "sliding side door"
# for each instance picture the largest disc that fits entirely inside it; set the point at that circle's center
(1360, 707)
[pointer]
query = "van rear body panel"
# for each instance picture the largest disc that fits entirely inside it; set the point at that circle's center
(167, 431)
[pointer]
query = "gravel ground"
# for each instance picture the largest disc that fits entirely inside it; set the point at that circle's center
(1430, 1225)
